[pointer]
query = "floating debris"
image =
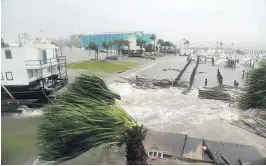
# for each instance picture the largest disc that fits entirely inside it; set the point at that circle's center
(147, 83)
(171, 70)
(214, 94)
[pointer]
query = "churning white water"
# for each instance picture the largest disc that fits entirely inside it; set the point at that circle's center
(28, 112)
(163, 108)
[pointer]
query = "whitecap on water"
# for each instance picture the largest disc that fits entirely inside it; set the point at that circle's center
(28, 112)
(158, 108)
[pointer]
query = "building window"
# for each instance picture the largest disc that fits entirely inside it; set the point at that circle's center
(8, 54)
(2, 76)
(9, 76)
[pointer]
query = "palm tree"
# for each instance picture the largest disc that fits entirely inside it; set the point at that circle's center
(188, 43)
(141, 43)
(84, 117)
(127, 44)
(94, 46)
(153, 37)
(106, 45)
(119, 44)
(110, 43)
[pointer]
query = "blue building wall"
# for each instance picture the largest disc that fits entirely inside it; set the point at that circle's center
(100, 38)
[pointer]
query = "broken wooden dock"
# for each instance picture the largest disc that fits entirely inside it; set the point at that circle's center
(183, 147)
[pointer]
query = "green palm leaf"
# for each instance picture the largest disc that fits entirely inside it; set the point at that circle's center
(84, 117)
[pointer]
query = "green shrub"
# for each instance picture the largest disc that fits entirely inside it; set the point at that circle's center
(255, 91)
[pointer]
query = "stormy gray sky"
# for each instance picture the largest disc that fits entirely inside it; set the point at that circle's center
(197, 20)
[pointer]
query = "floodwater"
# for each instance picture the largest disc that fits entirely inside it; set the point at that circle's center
(158, 109)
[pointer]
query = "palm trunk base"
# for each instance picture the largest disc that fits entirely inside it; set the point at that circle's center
(135, 151)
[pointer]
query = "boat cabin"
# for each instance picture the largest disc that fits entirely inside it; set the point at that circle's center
(32, 71)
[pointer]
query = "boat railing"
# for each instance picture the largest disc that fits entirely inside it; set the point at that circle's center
(45, 63)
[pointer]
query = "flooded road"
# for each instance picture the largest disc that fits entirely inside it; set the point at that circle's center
(161, 109)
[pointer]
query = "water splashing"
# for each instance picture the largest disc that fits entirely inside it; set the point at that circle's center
(161, 108)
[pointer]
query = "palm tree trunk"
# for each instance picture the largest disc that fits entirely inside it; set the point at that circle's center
(135, 151)
(154, 47)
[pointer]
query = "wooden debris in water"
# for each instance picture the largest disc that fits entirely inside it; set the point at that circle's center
(147, 83)
(214, 94)
(171, 70)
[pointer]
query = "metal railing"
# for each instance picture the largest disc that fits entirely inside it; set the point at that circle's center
(51, 61)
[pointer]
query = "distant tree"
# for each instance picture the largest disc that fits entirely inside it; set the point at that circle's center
(120, 43)
(106, 45)
(75, 41)
(187, 43)
(141, 43)
(95, 47)
(69, 45)
(160, 42)
(167, 43)
(153, 37)
(127, 44)
(110, 43)
(149, 48)
(37, 39)
(3, 44)
(221, 44)
(240, 52)
(25, 37)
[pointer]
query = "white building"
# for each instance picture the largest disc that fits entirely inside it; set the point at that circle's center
(32, 67)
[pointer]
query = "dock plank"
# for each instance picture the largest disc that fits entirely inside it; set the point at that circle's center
(172, 143)
(193, 149)
(232, 152)
(184, 147)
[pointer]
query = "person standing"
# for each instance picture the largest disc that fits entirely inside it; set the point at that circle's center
(206, 82)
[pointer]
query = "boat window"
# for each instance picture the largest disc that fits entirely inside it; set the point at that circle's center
(8, 54)
(35, 73)
(9, 76)
(49, 69)
(39, 72)
(56, 52)
(44, 56)
(2, 76)
(30, 73)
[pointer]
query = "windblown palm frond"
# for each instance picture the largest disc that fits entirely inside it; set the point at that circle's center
(84, 117)
(89, 87)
